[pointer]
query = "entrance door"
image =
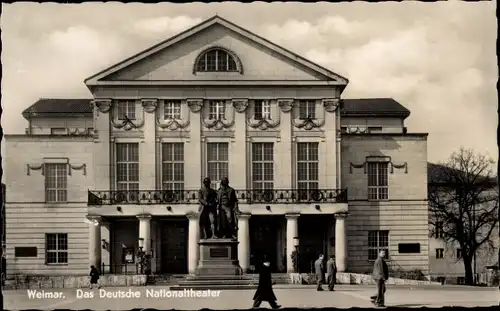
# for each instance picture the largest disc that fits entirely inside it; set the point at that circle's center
(174, 246)
(312, 233)
(264, 237)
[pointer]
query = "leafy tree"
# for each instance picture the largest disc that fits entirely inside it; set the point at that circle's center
(463, 204)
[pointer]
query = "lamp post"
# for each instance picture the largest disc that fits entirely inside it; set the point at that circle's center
(142, 256)
(296, 244)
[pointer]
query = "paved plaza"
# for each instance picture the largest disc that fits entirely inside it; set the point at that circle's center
(345, 296)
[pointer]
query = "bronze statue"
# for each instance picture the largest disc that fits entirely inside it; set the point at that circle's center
(208, 209)
(227, 210)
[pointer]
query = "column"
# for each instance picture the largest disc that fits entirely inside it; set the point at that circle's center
(244, 241)
(147, 147)
(193, 239)
(193, 148)
(292, 231)
(145, 231)
(102, 144)
(95, 241)
(238, 145)
(284, 147)
(340, 242)
(106, 246)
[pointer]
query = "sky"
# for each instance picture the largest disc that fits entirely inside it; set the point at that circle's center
(436, 59)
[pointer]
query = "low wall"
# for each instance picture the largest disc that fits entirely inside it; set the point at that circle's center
(354, 278)
(35, 282)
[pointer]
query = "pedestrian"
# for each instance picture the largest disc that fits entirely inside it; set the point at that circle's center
(265, 288)
(320, 272)
(380, 275)
(331, 273)
(94, 277)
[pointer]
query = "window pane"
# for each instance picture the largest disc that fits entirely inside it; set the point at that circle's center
(133, 171)
(301, 171)
(223, 152)
(313, 151)
(257, 171)
(51, 241)
(211, 60)
(167, 172)
(51, 257)
(382, 174)
(268, 151)
(313, 171)
(223, 170)
(201, 64)
(62, 257)
(257, 152)
(372, 254)
(62, 241)
(302, 151)
(221, 61)
(268, 171)
(178, 171)
(232, 64)
(372, 238)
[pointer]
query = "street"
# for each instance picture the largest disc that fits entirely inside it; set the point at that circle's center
(345, 296)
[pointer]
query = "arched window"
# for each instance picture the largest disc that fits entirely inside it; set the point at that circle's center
(216, 60)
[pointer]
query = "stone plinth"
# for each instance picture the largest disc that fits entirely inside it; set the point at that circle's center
(218, 257)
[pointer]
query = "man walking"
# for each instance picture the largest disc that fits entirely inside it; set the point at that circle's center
(265, 288)
(319, 269)
(331, 273)
(380, 275)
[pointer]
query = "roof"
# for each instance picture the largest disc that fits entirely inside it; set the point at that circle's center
(215, 20)
(378, 107)
(372, 107)
(52, 107)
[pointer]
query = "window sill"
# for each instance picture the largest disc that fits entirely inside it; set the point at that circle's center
(56, 264)
(378, 200)
(56, 203)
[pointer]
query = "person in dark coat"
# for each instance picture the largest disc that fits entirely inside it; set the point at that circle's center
(265, 288)
(94, 277)
(331, 273)
(380, 275)
(319, 271)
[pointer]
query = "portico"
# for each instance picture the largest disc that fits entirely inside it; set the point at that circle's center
(276, 241)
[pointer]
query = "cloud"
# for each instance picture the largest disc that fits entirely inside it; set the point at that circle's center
(428, 67)
(164, 25)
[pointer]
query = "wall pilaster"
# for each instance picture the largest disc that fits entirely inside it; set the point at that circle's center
(101, 148)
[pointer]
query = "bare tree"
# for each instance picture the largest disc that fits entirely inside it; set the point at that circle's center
(463, 199)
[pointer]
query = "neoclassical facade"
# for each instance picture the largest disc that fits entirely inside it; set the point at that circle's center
(93, 181)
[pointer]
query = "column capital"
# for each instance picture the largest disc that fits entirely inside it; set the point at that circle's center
(292, 216)
(94, 218)
(192, 215)
(341, 215)
(243, 216)
(144, 217)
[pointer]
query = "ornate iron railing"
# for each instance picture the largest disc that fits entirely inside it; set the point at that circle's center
(295, 196)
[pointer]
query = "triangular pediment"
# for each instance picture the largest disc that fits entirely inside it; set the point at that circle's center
(174, 60)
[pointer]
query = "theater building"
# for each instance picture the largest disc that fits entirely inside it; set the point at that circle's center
(93, 181)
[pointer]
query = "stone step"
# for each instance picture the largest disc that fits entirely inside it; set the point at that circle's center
(213, 287)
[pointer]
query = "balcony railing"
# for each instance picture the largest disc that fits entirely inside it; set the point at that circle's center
(144, 197)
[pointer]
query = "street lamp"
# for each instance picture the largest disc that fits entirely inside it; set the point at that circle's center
(142, 256)
(296, 244)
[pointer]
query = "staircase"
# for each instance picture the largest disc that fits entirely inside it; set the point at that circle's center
(216, 282)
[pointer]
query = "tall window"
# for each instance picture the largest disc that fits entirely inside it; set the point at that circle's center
(216, 60)
(217, 161)
(173, 166)
(172, 110)
(307, 169)
(307, 109)
(126, 109)
(378, 241)
(127, 169)
(262, 166)
(439, 230)
(378, 176)
(439, 253)
(217, 110)
(56, 182)
(262, 110)
(56, 248)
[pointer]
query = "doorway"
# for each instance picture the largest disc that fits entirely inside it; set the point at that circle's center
(174, 239)
(264, 233)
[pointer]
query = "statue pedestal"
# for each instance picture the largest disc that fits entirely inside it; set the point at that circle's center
(218, 257)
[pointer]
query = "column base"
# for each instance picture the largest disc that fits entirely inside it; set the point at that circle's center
(218, 257)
